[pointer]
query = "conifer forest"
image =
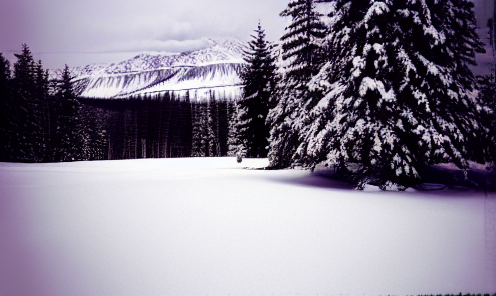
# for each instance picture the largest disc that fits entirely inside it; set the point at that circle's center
(376, 90)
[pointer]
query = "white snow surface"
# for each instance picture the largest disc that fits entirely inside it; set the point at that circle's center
(206, 226)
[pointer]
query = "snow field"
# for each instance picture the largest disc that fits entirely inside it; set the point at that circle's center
(206, 226)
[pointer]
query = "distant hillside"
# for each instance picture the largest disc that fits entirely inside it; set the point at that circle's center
(214, 70)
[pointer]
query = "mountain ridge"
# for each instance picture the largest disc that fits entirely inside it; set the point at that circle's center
(214, 69)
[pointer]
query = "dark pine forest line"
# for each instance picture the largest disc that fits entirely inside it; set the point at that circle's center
(159, 126)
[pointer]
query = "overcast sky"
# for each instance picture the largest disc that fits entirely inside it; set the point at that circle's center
(78, 32)
(81, 32)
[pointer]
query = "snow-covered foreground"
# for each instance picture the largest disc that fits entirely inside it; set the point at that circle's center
(208, 227)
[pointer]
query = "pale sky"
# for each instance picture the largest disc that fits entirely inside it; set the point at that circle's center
(81, 32)
(89, 31)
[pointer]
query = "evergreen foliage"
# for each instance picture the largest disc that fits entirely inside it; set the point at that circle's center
(404, 96)
(302, 56)
(186, 125)
(258, 80)
(235, 146)
(197, 150)
(42, 98)
(42, 120)
(27, 143)
(94, 133)
(39, 120)
(212, 129)
(67, 135)
(487, 94)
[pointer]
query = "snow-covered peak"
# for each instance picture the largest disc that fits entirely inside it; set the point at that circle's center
(214, 68)
(229, 44)
(215, 51)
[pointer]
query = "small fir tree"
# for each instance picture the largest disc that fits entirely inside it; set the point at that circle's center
(233, 141)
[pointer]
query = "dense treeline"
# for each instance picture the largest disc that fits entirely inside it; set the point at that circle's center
(143, 127)
(43, 120)
(160, 126)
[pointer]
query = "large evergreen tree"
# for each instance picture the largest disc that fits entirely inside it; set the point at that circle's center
(302, 56)
(67, 145)
(42, 109)
(404, 97)
(258, 80)
(27, 116)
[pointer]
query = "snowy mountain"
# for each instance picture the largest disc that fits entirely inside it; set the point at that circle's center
(214, 69)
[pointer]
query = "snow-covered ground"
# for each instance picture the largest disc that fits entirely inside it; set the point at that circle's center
(209, 227)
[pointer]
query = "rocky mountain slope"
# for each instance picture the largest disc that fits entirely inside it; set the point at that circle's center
(212, 71)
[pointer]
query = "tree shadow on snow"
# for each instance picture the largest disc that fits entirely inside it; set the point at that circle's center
(450, 177)
(317, 180)
(434, 178)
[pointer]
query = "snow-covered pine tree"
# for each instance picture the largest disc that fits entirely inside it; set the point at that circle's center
(223, 126)
(42, 99)
(458, 23)
(25, 119)
(198, 135)
(402, 100)
(205, 142)
(212, 128)
(164, 126)
(302, 57)
(236, 146)
(186, 127)
(67, 134)
(94, 132)
(173, 137)
(253, 107)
